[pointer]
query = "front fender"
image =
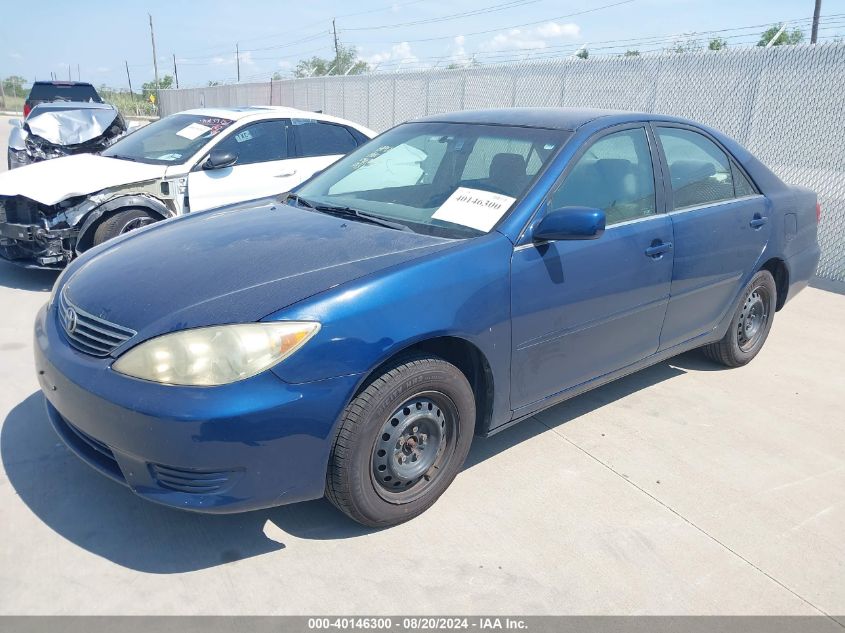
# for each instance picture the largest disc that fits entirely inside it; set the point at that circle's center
(462, 292)
(17, 138)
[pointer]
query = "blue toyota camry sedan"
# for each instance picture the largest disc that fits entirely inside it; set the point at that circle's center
(448, 279)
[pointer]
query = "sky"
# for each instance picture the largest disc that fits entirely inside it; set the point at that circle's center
(92, 39)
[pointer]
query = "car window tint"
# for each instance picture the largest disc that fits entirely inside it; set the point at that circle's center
(314, 138)
(699, 170)
(257, 143)
(743, 186)
(615, 174)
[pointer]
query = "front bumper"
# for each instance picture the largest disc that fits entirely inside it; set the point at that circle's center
(257, 443)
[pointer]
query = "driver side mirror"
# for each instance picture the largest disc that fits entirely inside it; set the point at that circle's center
(220, 158)
(571, 223)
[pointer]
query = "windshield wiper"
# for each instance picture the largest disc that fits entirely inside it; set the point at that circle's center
(361, 215)
(346, 212)
(122, 157)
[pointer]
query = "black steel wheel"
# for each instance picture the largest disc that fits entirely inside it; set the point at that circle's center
(750, 325)
(401, 441)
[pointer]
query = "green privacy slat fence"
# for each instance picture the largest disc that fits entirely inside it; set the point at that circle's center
(786, 104)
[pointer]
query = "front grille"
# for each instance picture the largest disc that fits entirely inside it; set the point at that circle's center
(190, 481)
(90, 334)
(93, 443)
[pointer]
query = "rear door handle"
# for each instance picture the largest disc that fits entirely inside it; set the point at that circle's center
(658, 248)
(285, 174)
(757, 221)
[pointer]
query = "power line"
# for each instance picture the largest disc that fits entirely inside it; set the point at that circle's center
(445, 18)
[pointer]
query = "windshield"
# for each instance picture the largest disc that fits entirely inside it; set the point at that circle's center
(169, 141)
(447, 179)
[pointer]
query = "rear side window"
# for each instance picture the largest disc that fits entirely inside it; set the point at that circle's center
(743, 186)
(63, 92)
(315, 138)
(258, 143)
(616, 175)
(700, 171)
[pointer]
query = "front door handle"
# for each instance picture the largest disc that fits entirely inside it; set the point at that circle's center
(658, 248)
(285, 174)
(757, 221)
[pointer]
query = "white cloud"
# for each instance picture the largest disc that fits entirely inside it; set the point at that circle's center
(229, 60)
(537, 37)
(284, 64)
(103, 69)
(398, 55)
(15, 55)
(456, 52)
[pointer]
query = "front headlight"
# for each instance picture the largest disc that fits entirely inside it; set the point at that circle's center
(215, 355)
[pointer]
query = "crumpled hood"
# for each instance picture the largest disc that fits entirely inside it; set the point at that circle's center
(73, 124)
(232, 265)
(52, 181)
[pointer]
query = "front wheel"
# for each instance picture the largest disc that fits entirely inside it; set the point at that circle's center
(750, 325)
(401, 442)
(120, 223)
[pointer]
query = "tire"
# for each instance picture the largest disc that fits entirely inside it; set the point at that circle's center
(750, 325)
(401, 441)
(120, 223)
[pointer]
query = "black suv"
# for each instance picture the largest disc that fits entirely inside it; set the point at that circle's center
(59, 91)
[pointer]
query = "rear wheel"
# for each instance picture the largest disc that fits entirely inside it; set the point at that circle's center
(401, 442)
(750, 325)
(120, 223)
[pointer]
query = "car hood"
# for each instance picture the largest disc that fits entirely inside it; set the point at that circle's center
(52, 181)
(74, 123)
(232, 265)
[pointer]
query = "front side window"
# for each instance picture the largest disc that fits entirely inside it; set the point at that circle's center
(700, 171)
(315, 138)
(257, 143)
(447, 179)
(615, 175)
(168, 141)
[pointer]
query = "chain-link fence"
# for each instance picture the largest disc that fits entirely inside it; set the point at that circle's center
(785, 104)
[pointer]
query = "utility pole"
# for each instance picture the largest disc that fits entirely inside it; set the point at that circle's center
(155, 59)
(815, 33)
(69, 78)
(128, 78)
(336, 48)
(238, 60)
(78, 73)
(175, 72)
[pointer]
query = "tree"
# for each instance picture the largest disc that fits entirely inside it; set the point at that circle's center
(687, 46)
(13, 85)
(582, 53)
(717, 44)
(632, 53)
(277, 76)
(164, 83)
(795, 36)
(346, 63)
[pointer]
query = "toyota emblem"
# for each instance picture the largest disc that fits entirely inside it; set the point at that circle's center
(70, 320)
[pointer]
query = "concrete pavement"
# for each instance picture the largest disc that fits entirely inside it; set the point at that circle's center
(683, 489)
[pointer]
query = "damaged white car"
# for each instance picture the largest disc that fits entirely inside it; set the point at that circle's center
(195, 160)
(62, 128)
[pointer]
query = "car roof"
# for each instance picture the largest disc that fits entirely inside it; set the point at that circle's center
(236, 113)
(550, 118)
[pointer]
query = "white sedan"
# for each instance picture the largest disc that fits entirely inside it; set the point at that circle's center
(190, 161)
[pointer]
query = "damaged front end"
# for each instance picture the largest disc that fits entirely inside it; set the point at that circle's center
(53, 130)
(36, 235)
